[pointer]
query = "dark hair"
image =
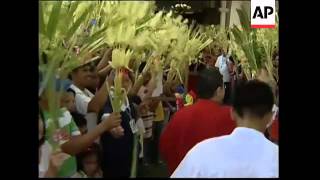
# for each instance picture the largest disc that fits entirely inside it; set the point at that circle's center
(94, 149)
(79, 119)
(134, 99)
(253, 97)
(208, 82)
(42, 140)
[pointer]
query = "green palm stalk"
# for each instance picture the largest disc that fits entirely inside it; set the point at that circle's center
(133, 172)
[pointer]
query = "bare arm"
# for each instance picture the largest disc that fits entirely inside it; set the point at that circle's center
(137, 85)
(164, 98)
(151, 86)
(56, 161)
(105, 59)
(100, 98)
(79, 143)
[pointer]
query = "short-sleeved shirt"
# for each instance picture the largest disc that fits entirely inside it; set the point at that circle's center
(82, 99)
(69, 167)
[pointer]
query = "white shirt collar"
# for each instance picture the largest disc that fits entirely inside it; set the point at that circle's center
(244, 131)
(79, 91)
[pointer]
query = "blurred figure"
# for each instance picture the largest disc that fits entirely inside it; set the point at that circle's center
(49, 163)
(223, 65)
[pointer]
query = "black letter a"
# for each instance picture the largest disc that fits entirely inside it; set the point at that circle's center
(257, 11)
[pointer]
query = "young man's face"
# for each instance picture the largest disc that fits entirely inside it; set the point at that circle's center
(82, 75)
(90, 164)
(94, 80)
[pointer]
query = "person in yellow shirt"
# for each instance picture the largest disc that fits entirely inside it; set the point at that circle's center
(158, 126)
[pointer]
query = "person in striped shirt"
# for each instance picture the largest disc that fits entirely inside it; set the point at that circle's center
(148, 117)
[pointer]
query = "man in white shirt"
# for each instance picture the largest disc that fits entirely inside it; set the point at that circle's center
(223, 64)
(87, 104)
(245, 153)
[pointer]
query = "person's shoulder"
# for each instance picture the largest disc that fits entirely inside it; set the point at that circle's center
(226, 107)
(219, 58)
(183, 112)
(205, 152)
(74, 88)
(89, 93)
(207, 146)
(274, 147)
(225, 110)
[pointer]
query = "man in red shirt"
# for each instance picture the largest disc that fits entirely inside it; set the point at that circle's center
(202, 120)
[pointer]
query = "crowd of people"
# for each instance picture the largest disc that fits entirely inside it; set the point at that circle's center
(227, 129)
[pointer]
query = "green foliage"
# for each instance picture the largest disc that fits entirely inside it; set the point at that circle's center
(255, 47)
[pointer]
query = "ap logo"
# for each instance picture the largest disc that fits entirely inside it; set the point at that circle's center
(263, 13)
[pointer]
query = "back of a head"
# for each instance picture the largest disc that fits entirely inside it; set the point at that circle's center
(209, 80)
(254, 98)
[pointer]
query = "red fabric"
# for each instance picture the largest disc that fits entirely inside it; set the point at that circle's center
(275, 130)
(180, 103)
(189, 126)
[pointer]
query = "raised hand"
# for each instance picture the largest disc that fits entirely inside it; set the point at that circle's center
(117, 132)
(112, 121)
